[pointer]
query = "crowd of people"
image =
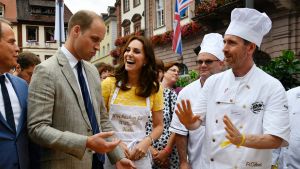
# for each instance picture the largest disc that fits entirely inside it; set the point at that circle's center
(66, 113)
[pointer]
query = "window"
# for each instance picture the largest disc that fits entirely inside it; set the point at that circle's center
(108, 48)
(126, 27)
(126, 6)
(136, 3)
(47, 56)
(43, 10)
(103, 51)
(1, 11)
(107, 29)
(49, 34)
(137, 26)
(127, 30)
(159, 13)
(66, 32)
(32, 33)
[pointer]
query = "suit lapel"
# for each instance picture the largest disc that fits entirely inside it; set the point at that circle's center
(69, 74)
(2, 120)
(92, 86)
(22, 93)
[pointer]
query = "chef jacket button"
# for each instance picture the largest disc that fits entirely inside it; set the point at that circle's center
(211, 159)
(248, 87)
(213, 139)
(231, 100)
(244, 106)
(241, 127)
(217, 121)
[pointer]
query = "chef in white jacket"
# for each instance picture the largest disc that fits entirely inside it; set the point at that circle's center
(244, 109)
(289, 158)
(209, 61)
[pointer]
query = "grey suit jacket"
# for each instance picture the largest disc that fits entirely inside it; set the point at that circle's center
(57, 119)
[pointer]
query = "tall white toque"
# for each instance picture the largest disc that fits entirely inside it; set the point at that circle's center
(213, 43)
(249, 24)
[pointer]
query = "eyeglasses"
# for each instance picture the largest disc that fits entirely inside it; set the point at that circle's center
(207, 62)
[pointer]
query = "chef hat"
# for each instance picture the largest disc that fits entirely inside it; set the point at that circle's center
(249, 24)
(213, 43)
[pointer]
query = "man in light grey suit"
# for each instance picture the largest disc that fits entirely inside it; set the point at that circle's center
(65, 105)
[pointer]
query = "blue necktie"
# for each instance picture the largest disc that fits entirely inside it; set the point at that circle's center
(88, 106)
(7, 104)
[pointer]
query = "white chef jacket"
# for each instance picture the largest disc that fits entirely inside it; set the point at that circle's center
(279, 156)
(293, 152)
(195, 137)
(255, 103)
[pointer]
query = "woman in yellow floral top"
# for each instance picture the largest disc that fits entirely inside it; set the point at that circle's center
(130, 96)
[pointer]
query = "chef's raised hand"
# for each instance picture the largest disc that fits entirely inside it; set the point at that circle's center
(186, 116)
(233, 134)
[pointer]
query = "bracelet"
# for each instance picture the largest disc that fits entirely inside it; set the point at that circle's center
(151, 139)
(242, 142)
(168, 150)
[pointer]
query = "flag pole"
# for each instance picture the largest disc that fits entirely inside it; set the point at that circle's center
(60, 7)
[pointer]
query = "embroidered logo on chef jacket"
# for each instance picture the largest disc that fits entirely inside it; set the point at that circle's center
(257, 107)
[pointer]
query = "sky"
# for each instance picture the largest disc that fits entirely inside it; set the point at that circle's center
(98, 6)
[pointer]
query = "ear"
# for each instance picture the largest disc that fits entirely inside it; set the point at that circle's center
(251, 48)
(18, 68)
(76, 30)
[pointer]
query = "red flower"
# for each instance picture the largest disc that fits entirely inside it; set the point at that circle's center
(115, 53)
(156, 39)
(207, 6)
(167, 37)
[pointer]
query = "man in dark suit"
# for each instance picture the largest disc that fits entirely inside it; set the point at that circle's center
(13, 105)
(66, 112)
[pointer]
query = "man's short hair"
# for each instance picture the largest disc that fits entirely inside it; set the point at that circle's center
(27, 59)
(84, 19)
(2, 20)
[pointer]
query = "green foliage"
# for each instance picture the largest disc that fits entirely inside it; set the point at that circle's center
(285, 68)
(187, 79)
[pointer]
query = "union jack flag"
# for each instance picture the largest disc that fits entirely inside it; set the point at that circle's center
(180, 8)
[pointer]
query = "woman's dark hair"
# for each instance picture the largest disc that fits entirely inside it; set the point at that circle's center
(148, 82)
(171, 64)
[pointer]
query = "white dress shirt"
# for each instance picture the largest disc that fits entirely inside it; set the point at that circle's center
(15, 104)
(73, 63)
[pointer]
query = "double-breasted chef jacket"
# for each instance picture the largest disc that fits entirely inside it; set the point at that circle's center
(256, 104)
